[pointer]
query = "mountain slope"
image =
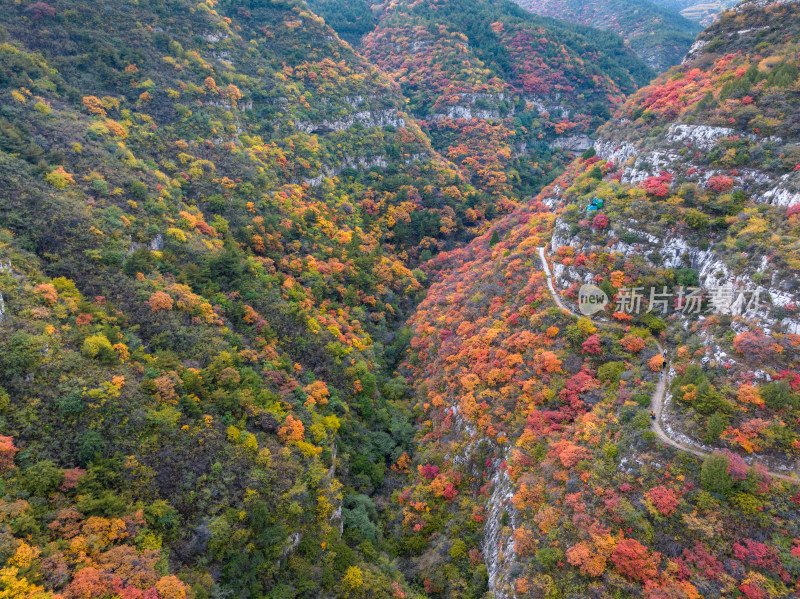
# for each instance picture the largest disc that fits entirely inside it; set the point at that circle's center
(502, 93)
(659, 36)
(538, 450)
(712, 148)
(211, 217)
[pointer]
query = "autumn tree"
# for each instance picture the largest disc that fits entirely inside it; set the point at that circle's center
(40, 10)
(160, 302)
(656, 362)
(94, 105)
(720, 183)
(48, 293)
(584, 556)
(292, 430)
(634, 560)
(7, 453)
(524, 541)
(600, 222)
(658, 186)
(98, 346)
(755, 345)
(592, 345)
(664, 500)
(633, 343)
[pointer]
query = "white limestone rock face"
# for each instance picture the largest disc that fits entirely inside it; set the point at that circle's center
(701, 136)
(696, 49)
(613, 151)
(673, 150)
(676, 252)
(573, 143)
(466, 112)
(495, 542)
(359, 163)
(368, 118)
(762, 3)
(786, 191)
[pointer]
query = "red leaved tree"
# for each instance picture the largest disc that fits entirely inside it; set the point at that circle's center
(663, 499)
(756, 345)
(634, 560)
(600, 221)
(720, 183)
(7, 453)
(592, 345)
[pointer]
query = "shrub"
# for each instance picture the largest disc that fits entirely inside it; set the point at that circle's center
(687, 277)
(634, 560)
(779, 396)
(160, 301)
(653, 322)
(715, 426)
(664, 500)
(98, 346)
(600, 222)
(714, 475)
(695, 219)
(7, 453)
(70, 404)
(592, 345)
(610, 372)
(755, 345)
(42, 479)
(549, 557)
(100, 187)
(91, 445)
(658, 185)
(138, 191)
(21, 354)
(59, 178)
(720, 183)
(353, 579)
(708, 400)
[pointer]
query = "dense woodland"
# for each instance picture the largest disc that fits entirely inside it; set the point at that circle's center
(274, 323)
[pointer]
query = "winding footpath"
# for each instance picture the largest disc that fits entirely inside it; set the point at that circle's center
(657, 399)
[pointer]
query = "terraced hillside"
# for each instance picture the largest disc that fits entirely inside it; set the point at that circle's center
(659, 35)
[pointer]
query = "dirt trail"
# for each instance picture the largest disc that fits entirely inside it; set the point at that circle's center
(657, 399)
